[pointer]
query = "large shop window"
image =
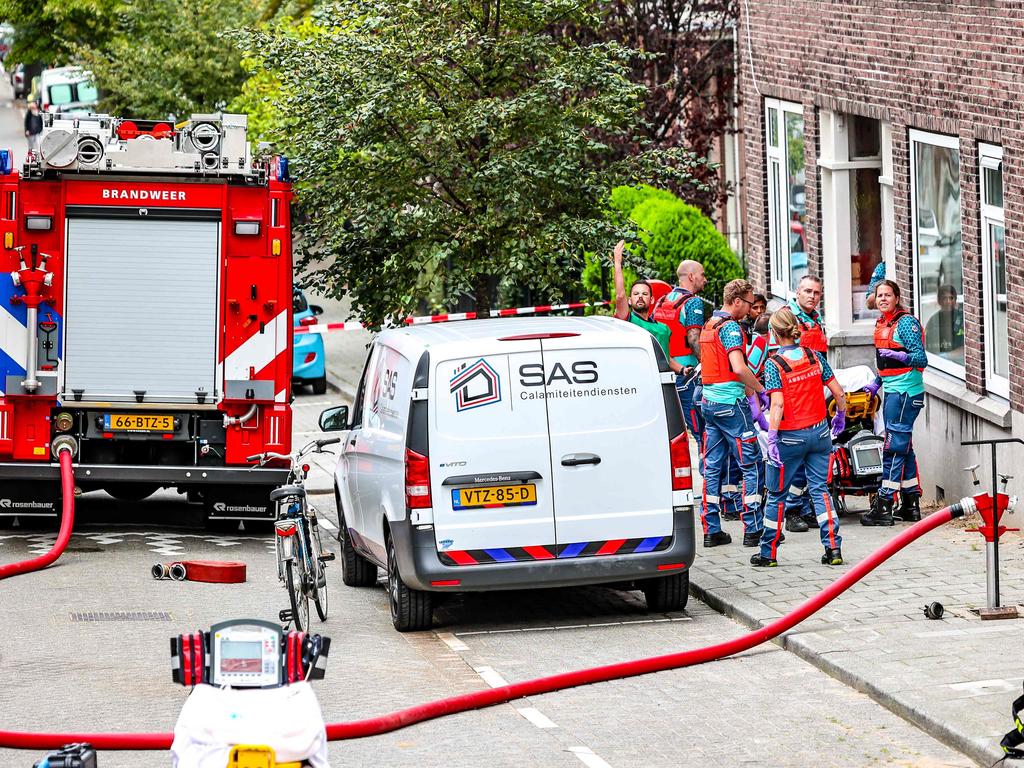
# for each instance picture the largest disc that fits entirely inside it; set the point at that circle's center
(787, 201)
(938, 247)
(865, 152)
(993, 251)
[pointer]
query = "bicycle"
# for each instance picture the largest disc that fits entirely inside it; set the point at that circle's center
(301, 560)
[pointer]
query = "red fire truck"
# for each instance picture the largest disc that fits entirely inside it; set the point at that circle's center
(146, 313)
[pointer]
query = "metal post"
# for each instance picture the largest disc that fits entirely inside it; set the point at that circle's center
(31, 383)
(992, 558)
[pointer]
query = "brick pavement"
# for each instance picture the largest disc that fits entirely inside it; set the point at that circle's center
(955, 678)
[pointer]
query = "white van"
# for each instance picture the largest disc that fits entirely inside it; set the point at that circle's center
(68, 91)
(514, 453)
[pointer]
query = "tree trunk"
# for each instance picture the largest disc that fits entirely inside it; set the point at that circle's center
(482, 295)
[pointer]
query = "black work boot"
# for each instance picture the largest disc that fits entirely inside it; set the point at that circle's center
(752, 539)
(796, 524)
(832, 557)
(758, 561)
(909, 510)
(720, 538)
(729, 514)
(880, 514)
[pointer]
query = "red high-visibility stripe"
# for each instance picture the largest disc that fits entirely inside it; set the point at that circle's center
(540, 553)
(462, 558)
(611, 547)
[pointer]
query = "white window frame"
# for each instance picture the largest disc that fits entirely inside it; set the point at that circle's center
(778, 193)
(990, 156)
(836, 215)
(949, 142)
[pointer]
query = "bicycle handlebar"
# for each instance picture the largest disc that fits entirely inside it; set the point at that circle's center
(316, 445)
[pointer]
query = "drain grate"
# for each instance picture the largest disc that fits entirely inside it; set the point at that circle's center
(121, 616)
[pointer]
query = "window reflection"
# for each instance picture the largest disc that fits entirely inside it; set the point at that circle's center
(797, 197)
(1000, 343)
(939, 249)
(866, 236)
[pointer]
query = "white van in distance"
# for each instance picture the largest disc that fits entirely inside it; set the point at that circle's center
(514, 453)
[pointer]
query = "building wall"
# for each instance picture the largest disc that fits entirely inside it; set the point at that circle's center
(953, 68)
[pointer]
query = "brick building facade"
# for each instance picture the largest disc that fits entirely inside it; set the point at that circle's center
(893, 130)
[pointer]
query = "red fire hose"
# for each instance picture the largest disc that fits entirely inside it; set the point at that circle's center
(434, 709)
(67, 522)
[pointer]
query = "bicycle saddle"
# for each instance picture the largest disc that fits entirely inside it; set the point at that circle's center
(287, 492)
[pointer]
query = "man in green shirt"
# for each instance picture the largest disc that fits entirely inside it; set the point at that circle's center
(636, 308)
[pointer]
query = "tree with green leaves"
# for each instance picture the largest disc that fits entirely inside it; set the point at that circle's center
(51, 31)
(164, 58)
(463, 142)
(671, 231)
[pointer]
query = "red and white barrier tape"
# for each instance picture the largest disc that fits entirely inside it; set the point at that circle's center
(427, 319)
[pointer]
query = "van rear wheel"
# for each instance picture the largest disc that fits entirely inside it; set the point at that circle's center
(667, 593)
(356, 570)
(411, 609)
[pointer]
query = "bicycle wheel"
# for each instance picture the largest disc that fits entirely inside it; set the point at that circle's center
(297, 595)
(319, 574)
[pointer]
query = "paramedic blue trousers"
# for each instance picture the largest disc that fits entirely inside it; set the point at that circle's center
(810, 449)
(729, 433)
(899, 462)
(797, 502)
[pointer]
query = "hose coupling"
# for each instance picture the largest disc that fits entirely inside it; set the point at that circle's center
(64, 443)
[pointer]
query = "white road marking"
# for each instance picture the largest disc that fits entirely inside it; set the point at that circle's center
(536, 717)
(588, 758)
(491, 677)
(452, 641)
(327, 524)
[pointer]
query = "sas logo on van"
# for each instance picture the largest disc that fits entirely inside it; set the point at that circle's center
(475, 385)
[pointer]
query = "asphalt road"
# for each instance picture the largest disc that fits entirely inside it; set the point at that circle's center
(84, 647)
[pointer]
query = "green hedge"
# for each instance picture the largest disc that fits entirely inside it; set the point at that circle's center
(670, 231)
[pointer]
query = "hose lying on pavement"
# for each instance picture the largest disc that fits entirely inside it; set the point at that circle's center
(67, 522)
(478, 699)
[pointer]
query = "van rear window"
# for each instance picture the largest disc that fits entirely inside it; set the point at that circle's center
(61, 93)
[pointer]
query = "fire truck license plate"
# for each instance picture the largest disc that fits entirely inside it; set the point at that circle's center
(137, 422)
(494, 496)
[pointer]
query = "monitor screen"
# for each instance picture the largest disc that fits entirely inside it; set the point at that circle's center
(241, 656)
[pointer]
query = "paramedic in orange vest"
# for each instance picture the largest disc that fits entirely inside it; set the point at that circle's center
(799, 437)
(682, 310)
(901, 359)
(728, 422)
(799, 515)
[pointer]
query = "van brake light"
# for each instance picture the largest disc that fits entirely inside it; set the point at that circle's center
(679, 455)
(307, 321)
(417, 480)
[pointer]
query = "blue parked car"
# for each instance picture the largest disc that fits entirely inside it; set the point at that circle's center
(308, 348)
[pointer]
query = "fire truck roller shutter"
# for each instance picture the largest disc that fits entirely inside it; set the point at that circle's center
(143, 295)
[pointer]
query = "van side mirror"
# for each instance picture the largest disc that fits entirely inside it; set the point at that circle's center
(316, 309)
(334, 419)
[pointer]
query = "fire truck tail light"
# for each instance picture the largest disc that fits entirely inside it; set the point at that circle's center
(275, 247)
(247, 227)
(39, 223)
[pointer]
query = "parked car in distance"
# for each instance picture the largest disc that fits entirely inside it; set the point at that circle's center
(514, 453)
(308, 364)
(68, 91)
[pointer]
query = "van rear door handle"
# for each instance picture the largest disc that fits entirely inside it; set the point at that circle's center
(576, 462)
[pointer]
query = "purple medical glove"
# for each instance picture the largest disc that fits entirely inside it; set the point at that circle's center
(873, 387)
(765, 399)
(894, 354)
(773, 447)
(838, 423)
(756, 413)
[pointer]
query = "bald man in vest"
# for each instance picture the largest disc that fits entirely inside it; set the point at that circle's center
(682, 310)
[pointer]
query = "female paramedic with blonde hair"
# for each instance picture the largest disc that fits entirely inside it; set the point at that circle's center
(799, 435)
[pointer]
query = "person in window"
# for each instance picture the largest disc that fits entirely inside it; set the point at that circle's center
(944, 333)
(901, 359)
(877, 276)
